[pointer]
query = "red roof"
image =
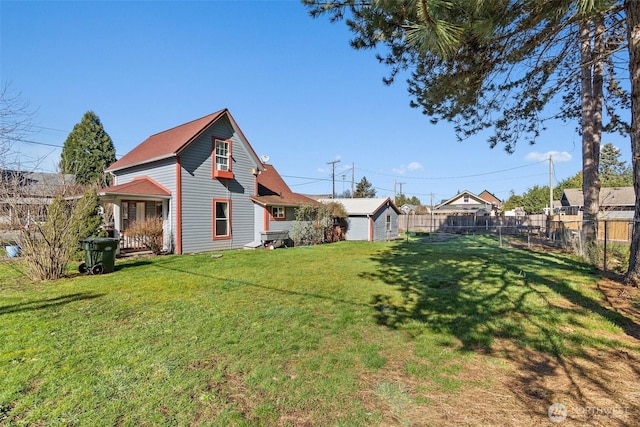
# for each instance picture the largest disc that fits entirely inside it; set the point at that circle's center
(490, 198)
(140, 186)
(272, 190)
(168, 143)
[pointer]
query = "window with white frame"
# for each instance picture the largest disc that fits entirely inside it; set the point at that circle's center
(221, 218)
(388, 223)
(278, 212)
(222, 155)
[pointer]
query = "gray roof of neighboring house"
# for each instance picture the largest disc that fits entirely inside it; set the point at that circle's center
(36, 184)
(363, 206)
(609, 196)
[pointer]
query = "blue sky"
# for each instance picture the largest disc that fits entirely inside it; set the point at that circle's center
(299, 93)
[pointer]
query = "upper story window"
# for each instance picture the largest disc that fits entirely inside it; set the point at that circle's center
(466, 198)
(278, 212)
(222, 158)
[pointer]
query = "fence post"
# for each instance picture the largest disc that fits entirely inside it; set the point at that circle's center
(604, 261)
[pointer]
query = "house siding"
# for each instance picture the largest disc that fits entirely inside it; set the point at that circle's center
(259, 215)
(380, 224)
(283, 224)
(163, 172)
(358, 228)
(199, 189)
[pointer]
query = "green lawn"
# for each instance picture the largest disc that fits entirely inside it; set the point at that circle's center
(347, 334)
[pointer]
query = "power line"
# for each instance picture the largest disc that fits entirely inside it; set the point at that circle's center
(36, 142)
(27, 141)
(457, 177)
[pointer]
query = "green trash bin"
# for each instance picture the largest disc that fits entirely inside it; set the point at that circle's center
(99, 255)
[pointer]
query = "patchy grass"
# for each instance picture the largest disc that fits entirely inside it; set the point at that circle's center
(460, 332)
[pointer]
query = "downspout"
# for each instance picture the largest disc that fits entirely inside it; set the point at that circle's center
(178, 206)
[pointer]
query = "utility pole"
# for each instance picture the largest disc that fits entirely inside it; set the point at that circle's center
(394, 191)
(353, 178)
(550, 185)
(333, 177)
(400, 183)
(431, 210)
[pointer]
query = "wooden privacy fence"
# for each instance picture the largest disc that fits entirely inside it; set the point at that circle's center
(612, 230)
(444, 222)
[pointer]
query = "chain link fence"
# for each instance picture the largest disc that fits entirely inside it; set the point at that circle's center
(610, 252)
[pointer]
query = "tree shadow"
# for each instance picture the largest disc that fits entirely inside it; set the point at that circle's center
(48, 303)
(511, 303)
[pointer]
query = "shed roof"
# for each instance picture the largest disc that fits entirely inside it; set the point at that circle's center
(363, 206)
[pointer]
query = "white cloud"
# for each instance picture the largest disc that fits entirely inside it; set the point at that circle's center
(413, 166)
(557, 156)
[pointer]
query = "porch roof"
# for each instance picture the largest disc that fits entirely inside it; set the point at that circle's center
(139, 187)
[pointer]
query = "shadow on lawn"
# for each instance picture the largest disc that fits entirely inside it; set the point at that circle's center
(519, 304)
(47, 303)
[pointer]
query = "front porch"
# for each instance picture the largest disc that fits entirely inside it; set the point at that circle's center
(140, 215)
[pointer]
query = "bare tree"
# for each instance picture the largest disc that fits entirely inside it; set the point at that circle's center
(16, 119)
(42, 212)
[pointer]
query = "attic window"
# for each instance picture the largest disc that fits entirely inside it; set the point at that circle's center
(222, 159)
(466, 198)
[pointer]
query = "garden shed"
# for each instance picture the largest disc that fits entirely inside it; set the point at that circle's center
(370, 219)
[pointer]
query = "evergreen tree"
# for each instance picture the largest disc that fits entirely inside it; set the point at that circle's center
(364, 189)
(514, 201)
(613, 171)
(88, 151)
(535, 200)
(402, 199)
(574, 181)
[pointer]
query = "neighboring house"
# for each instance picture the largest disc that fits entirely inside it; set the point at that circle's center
(275, 204)
(33, 191)
(489, 197)
(615, 202)
(198, 177)
(466, 204)
(408, 209)
(370, 219)
(515, 212)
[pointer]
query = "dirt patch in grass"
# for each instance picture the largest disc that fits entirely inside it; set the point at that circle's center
(437, 237)
(516, 386)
